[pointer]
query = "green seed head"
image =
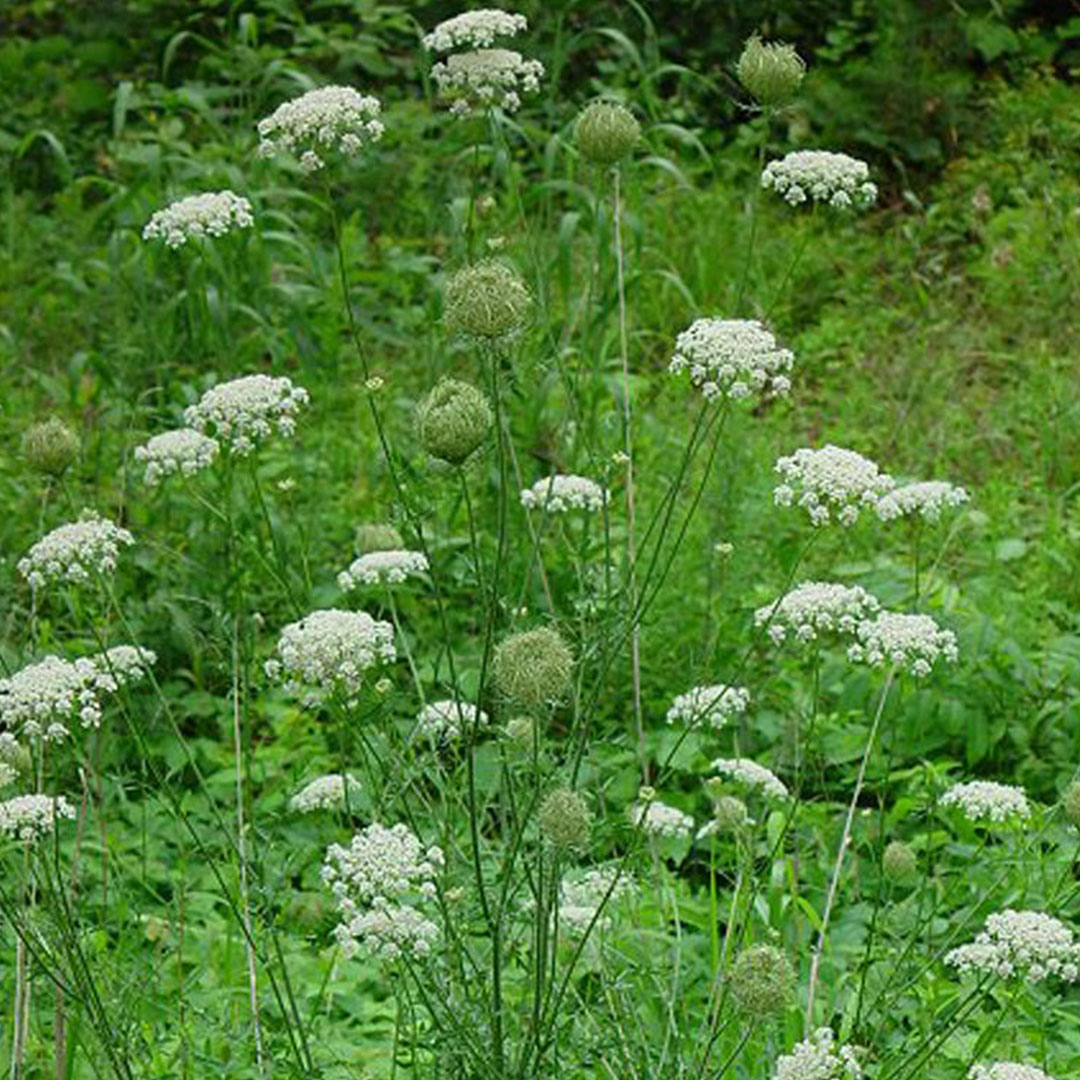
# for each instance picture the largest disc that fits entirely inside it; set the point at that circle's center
(521, 730)
(533, 668)
(1070, 804)
(606, 132)
(770, 71)
(50, 447)
(762, 982)
(565, 820)
(899, 863)
(377, 536)
(487, 300)
(729, 814)
(453, 421)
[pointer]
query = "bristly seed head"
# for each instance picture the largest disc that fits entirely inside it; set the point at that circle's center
(453, 421)
(533, 668)
(605, 132)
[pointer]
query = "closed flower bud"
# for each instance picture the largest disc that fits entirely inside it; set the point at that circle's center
(377, 537)
(533, 668)
(770, 71)
(762, 982)
(1070, 803)
(453, 421)
(487, 300)
(565, 820)
(606, 132)
(729, 813)
(899, 863)
(50, 447)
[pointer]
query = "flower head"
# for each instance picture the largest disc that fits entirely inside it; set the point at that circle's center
(605, 132)
(383, 568)
(660, 820)
(587, 900)
(477, 29)
(762, 982)
(209, 214)
(819, 1057)
(533, 668)
(1025, 944)
(486, 78)
(325, 793)
(244, 412)
(454, 421)
(445, 720)
(184, 452)
(76, 553)
(564, 819)
(771, 71)
(732, 358)
(560, 494)
(914, 642)
(714, 705)
(899, 863)
(1007, 1070)
(487, 300)
(387, 932)
(830, 481)
(381, 864)
(815, 607)
(926, 500)
(50, 447)
(752, 775)
(30, 817)
(985, 800)
(821, 176)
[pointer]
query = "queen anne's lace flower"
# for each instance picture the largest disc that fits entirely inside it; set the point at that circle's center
(30, 817)
(185, 451)
(380, 865)
(1007, 1070)
(821, 176)
(477, 29)
(751, 774)
(243, 412)
(732, 358)
(330, 651)
(830, 481)
(325, 793)
(914, 642)
(447, 719)
(815, 607)
(715, 705)
(1029, 944)
(660, 820)
(560, 494)
(985, 800)
(927, 499)
(487, 78)
(76, 553)
(212, 213)
(588, 899)
(819, 1058)
(387, 932)
(383, 568)
(332, 118)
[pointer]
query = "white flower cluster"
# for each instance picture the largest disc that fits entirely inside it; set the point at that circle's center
(387, 932)
(184, 451)
(751, 774)
(927, 499)
(40, 698)
(477, 29)
(325, 793)
(830, 481)
(1007, 1070)
(587, 899)
(329, 651)
(915, 642)
(716, 704)
(1030, 944)
(732, 358)
(446, 719)
(30, 817)
(76, 553)
(487, 78)
(660, 820)
(815, 607)
(319, 122)
(242, 412)
(822, 176)
(986, 800)
(560, 494)
(212, 213)
(819, 1057)
(383, 567)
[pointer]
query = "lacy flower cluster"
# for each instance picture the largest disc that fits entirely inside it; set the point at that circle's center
(927, 500)
(325, 793)
(243, 412)
(383, 568)
(820, 176)
(183, 452)
(447, 719)
(320, 122)
(714, 705)
(379, 881)
(985, 800)
(815, 607)
(732, 358)
(752, 775)
(478, 29)
(1007, 1070)
(911, 642)
(660, 820)
(588, 900)
(213, 213)
(561, 494)
(830, 481)
(76, 553)
(1027, 944)
(30, 817)
(819, 1057)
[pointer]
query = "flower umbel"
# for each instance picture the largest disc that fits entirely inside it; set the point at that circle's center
(245, 412)
(816, 607)
(985, 800)
(30, 817)
(819, 1057)
(913, 642)
(830, 481)
(478, 29)
(714, 705)
(486, 78)
(732, 358)
(383, 568)
(821, 176)
(1030, 945)
(184, 452)
(75, 554)
(561, 494)
(209, 214)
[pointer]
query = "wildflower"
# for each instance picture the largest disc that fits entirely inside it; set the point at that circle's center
(382, 567)
(564, 820)
(374, 384)
(770, 71)
(729, 814)
(76, 553)
(332, 118)
(185, 451)
(752, 775)
(380, 865)
(30, 817)
(1007, 1070)
(487, 300)
(453, 421)
(605, 132)
(927, 500)
(1070, 804)
(325, 793)
(330, 651)
(732, 358)
(899, 863)
(713, 704)
(984, 799)
(762, 981)
(915, 642)
(377, 536)
(830, 481)
(819, 1057)
(723, 549)
(1027, 944)
(533, 668)
(815, 607)
(837, 180)
(209, 214)
(477, 29)
(447, 719)
(243, 412)
(486, 78)
(384, 686)
(660, 820)
(560, 494)
(50, 447)
(587, 900)
(387, 932)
